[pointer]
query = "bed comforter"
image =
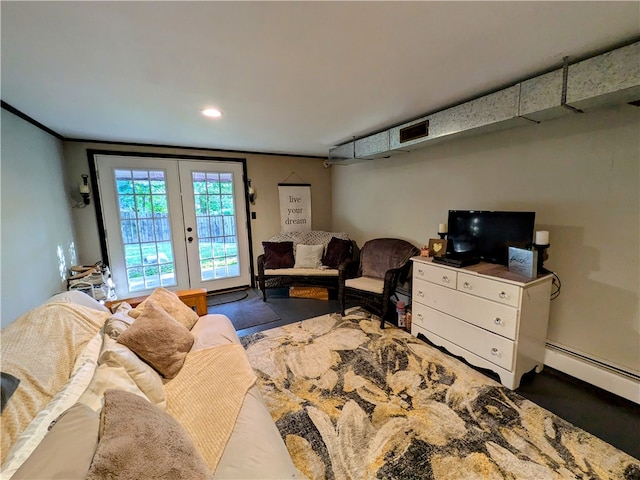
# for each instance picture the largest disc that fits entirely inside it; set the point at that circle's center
(213, 399)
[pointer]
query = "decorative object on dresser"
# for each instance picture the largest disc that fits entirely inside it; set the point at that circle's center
(523, 262)
(437, 247)
(541, 244)
(384, 262)
(493, 318)
(442, 230)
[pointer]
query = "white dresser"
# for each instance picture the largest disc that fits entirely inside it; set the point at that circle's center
(484, 313)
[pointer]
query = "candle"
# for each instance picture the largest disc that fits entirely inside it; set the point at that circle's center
(442, 228)
(542, 237)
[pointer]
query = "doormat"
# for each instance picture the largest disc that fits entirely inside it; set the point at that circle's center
(227, 297)
(246, 313)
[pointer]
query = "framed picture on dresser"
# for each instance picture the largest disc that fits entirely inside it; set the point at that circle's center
(437, 247)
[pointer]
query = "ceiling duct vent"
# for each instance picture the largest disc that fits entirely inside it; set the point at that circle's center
(342, 153)
(611, 78)
(414, 132)
(373, 146)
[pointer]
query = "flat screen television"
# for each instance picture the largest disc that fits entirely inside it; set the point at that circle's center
(487, 235)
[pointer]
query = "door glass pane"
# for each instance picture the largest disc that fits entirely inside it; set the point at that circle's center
(145, 228)
(215, 219)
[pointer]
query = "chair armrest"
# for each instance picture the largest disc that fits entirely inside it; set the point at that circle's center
(261, 281)
(195, 298)
(391, 278)
(348, 269)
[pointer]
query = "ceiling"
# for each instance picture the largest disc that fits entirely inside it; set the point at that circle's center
(291, 77)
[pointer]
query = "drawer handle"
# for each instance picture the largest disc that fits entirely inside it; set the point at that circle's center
(495, 352)
(421, 272)
(420, 293)
(498, 321)
(445, 279)
(419, 316)
(503, 294)
(467, 285)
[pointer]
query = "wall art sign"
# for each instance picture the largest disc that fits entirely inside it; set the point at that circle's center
(295, 207)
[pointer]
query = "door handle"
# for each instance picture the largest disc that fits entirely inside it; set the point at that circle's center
(190, 239)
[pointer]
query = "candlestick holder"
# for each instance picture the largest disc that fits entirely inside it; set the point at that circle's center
(542, 252)
(442, 235)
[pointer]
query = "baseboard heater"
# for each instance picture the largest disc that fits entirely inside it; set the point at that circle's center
(594, 362)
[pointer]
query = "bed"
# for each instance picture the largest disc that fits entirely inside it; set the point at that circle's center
(99, 394)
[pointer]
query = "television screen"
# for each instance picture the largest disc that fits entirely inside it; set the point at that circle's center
(488, 235)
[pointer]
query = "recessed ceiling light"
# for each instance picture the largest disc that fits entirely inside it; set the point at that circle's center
(212, 112)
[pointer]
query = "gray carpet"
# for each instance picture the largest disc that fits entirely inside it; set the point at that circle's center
(228, 297)
(244, 312)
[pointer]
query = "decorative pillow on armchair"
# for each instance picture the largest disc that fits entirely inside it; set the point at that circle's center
(338, 251)
(382, 254)
(278, 255)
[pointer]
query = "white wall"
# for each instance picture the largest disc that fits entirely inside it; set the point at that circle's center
(579, 173)
(37, 233)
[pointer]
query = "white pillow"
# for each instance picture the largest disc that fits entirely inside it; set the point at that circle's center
(308, 256)
(76, 296)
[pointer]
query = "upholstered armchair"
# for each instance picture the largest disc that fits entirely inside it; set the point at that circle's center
(383, 263)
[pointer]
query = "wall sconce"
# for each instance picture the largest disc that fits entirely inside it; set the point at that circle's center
(85, 190)
(252, 193)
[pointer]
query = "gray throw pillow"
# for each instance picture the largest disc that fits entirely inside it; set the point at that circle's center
(138, 440)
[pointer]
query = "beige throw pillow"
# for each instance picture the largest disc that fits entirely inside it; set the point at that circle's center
(172, 304)
(309, 256)
(158, 339)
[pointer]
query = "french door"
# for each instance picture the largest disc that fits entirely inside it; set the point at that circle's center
(173, 223)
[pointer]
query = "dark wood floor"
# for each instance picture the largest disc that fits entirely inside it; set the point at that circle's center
(607, 416)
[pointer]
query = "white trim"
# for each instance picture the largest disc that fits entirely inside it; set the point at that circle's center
(598, 376)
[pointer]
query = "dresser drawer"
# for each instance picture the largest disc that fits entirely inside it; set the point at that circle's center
(490, 289)
(437, 275)
(492, 316)
(491, 347)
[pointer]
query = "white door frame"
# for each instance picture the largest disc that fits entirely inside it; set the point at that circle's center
(186, 169)
(100, 198)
